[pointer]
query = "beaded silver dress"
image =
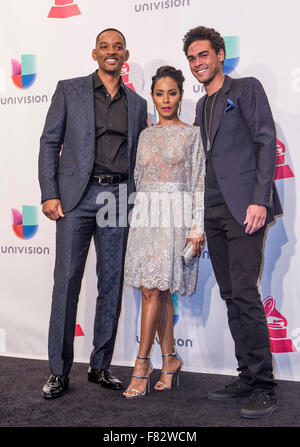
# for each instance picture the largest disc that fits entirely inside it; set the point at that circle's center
(169, 178)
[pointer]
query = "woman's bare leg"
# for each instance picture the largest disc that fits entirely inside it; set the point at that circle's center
(149, 322)
(166, 338)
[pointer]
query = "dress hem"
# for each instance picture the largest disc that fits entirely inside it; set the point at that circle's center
(173, 292)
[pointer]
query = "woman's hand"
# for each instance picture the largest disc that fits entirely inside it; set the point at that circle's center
(198, 242)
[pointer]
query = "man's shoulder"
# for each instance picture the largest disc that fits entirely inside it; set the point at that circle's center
(77, 80)
(244, 82)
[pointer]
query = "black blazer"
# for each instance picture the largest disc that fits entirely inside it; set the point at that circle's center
(67, 145)
(243, 147)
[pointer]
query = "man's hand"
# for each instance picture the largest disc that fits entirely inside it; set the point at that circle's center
(255, 218)
(52, 209)
(198, 242)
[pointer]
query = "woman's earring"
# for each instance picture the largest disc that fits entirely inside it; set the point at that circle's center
(179, 108)
(154, 111)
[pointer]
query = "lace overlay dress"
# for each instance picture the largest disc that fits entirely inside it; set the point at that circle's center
(169, 178)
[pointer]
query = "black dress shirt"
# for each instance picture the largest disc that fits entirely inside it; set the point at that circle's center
(111, 127)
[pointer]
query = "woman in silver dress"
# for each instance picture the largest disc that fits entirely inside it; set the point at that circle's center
(167, 214)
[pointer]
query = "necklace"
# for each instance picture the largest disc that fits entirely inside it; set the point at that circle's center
(208, 127)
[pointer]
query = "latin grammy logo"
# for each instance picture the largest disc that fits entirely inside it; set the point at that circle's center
(78, 331)
(282, 170)
(277, 325)
(63, 9)
(125, 76)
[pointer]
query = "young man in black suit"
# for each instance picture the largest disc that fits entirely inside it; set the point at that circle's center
(239, 137)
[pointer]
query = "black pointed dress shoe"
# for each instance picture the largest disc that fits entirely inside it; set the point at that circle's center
(260, 404)
(55, 386)
(105, 378)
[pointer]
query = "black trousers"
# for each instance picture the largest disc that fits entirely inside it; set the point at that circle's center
(236, 259)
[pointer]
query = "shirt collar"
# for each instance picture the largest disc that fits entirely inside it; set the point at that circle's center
(99, 83)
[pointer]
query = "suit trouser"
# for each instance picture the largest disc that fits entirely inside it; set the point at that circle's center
(236, 259)
(73, 237)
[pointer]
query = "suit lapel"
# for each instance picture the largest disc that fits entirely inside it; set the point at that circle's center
(201, 111)
(219, 109)
(131, 109)
(87, 95)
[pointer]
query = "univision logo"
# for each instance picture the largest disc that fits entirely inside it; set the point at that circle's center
(25, 224)
(159, 5)
(23, 74)
(232, 47)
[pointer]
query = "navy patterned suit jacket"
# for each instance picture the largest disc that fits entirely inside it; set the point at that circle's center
(243, 147)
(67, 144)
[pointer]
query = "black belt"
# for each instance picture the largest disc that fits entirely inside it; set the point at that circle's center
(108, 179)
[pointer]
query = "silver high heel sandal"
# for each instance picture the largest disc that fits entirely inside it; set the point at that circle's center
(147, 388)
(176, 371)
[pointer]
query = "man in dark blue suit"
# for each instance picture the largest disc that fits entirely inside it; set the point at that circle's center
(88, 148)
(239, 137)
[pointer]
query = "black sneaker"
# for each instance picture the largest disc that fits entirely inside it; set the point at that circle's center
(261, 403)
(237, 388)
(55, 386)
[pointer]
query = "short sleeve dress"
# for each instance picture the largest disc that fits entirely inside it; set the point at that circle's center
(169, 203)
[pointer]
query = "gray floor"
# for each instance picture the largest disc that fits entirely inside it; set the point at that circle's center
(86, 404)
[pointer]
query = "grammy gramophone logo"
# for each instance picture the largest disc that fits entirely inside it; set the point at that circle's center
(78, 331)
(277, 325)
(125, 76)
(282, 168)
(63, 9)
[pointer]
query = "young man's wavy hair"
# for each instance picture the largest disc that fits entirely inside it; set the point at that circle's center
(203, 33)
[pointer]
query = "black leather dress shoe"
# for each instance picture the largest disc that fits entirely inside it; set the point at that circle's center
(105, 378)
(55, 386)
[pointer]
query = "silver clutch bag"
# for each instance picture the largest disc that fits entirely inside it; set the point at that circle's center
(187, 253)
